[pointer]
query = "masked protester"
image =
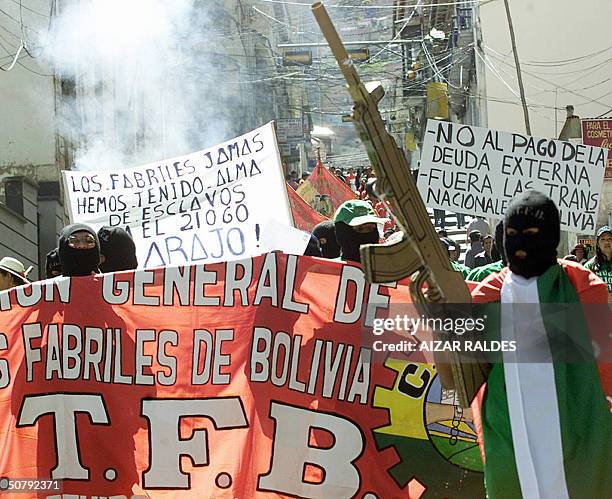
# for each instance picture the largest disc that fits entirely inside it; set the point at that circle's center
(79, 250)
(539, 409)
(326, 235)
(313, 248)
(117, 250)
(480, 273)
(53, 267)
(532, 234)
(355, 224)
(601, 263)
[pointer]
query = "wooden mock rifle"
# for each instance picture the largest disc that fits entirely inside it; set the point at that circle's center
(420, 253)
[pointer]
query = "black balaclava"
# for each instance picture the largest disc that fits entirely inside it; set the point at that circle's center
(330, 248)
(350, 241)
(118, 249)
(53, 264)
(532, 209)
(499, 241)
(78, 262)
(313, 248)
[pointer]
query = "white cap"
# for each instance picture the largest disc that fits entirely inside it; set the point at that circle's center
(15, 267)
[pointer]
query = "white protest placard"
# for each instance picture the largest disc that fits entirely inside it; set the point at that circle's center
(286, 239)
(208, 206)
(478, 171)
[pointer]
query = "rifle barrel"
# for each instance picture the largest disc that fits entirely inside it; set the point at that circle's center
(335, 43)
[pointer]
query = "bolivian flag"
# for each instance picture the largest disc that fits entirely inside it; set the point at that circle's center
(546, 423)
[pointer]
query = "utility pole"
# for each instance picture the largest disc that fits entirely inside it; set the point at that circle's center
(518, 69)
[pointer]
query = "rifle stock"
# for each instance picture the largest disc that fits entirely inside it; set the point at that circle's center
(420, 253)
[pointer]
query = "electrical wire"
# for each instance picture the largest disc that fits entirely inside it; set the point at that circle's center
(495, 55)
(415, 85)
(17, 21)
(303, 29)
(24, 38)
(588, 100)
(310, 23)
(19, 60)
(565, 62)
(14, 60)
(328, 70)
(340, 6)
(256, 81)
(287, 25)
(461, 51)
(434, 66)
(576, 71)
(30, 9)
(10, 32)
(399, 31)
(23, 27)
(514, 92)
(503, 57)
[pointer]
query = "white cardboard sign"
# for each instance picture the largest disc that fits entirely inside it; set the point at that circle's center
(478, 171)
(208, 206)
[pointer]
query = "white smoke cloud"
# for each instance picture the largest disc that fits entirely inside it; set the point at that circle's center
(146, 87)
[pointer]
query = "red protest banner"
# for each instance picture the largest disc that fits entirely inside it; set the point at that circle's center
(598, 132)
(241, 379)
(304, 216)
(324, 191)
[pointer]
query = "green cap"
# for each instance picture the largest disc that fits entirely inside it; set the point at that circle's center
(356, 212)
(603, 229)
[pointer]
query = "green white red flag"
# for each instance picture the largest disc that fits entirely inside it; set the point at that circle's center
(546, 423)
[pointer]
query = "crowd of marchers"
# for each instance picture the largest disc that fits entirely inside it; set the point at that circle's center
(366, 220)
(80, 252)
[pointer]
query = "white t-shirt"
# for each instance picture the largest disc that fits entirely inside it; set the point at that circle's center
(479, 224)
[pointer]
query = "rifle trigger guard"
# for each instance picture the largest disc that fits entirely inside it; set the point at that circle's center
(416, 289)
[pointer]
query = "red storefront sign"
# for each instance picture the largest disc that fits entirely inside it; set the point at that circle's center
(598, 132)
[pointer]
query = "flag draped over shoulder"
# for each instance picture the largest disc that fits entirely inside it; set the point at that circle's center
(324, 191)
(545, 423)
(304, 217)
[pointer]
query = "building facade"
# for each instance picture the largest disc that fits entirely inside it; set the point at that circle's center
(100, 85)
(31, 209)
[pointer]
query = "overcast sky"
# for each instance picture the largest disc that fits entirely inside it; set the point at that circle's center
(549, 30)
